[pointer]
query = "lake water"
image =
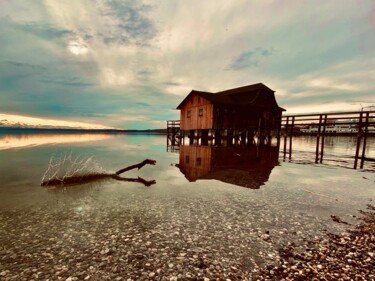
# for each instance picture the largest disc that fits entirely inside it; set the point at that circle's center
(212, 213)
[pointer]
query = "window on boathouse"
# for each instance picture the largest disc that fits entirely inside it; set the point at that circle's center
(200, 112)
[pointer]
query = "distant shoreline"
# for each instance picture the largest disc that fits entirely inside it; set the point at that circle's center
(5, 130)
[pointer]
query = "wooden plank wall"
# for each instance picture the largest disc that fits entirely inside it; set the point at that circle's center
(196, 122)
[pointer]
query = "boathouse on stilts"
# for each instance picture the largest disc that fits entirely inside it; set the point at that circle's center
(247, 115)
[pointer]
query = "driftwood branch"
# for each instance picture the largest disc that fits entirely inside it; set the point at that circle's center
(75, 179)
(139, 165)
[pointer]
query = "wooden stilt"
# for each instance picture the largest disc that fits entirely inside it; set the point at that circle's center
(359, 136)
(364, 141)
(218, 137)
(323, 135)
(318, 139)
(285, 136)
(191, 137)
(230, 137)
(204, 137)
(290, 138)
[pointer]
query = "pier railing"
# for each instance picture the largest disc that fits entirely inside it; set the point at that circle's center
(360, 123)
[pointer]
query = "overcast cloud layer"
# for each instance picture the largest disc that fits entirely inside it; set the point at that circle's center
(128, 64)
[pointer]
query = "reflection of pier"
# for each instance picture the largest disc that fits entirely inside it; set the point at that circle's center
(319, 124)
(245, 167)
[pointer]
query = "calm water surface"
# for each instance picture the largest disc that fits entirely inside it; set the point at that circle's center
(184, 220)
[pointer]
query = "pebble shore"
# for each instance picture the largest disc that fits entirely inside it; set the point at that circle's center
(347, 256)
(180, 242)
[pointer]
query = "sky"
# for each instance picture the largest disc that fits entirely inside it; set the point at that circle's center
(128, 63)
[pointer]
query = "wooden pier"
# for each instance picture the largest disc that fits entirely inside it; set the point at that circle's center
(321, 125)
(359, 123)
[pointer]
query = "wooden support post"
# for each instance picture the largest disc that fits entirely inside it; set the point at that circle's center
(318, 139)
(229, 137)
(204, 137)
(260, 132)
(285, 135)
(359, 136)
(290, 139)
(235, 137)
(243, 138)
(364, 141)
(323, 135)
(191, 137)
(250, 137)
(279, 132)
(218, 137)
(270, 136)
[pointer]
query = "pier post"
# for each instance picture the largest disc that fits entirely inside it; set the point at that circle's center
(285, 135)
(243, 137)
(250, 137)
(364, 141)
(290, 138)
(278, 133)
(359, 136)
(323, 135)
(229, 137)
(191, 137)
(204, 137)
(318, 139)
(218, 137)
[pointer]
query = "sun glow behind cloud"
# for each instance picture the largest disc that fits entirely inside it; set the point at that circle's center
(77, 48)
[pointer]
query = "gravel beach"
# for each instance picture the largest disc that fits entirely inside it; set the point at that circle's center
(143, 248)
(347, 256)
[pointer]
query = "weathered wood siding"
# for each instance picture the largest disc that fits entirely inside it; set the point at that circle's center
(196, 122)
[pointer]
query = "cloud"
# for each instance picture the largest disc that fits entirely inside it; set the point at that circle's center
(74, 81)
(131, 18)
(251, 58)
(111, 22)
(44, 30)
(24, 65)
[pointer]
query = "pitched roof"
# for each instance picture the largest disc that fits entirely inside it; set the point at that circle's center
(255, 95)
(244, 89)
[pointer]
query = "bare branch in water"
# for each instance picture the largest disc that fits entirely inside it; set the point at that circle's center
(139, 165)
(73, 171)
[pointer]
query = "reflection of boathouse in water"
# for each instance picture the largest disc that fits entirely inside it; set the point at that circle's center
(249, 168)
(237, 122)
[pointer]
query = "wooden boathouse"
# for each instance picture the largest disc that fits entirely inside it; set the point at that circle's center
(245, 115)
